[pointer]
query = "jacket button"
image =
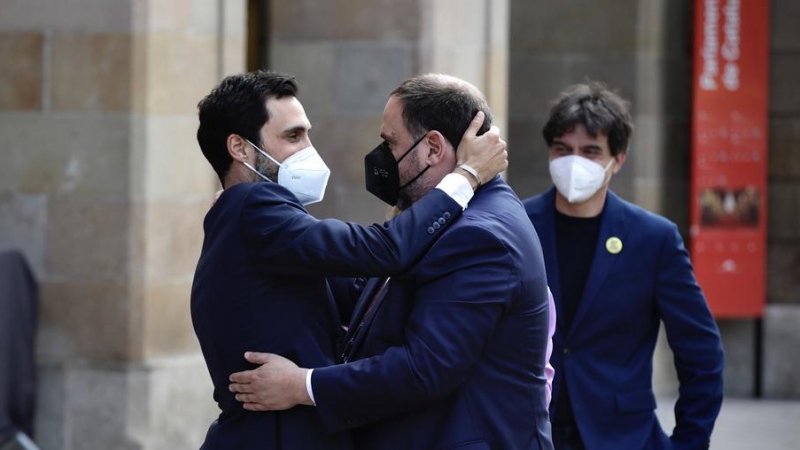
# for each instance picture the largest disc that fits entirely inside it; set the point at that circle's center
(446, 215)
(441, 221)
(436, 225)
(567, 351)
(431, 230)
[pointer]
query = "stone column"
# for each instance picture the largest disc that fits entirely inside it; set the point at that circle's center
(104, 188)
(348, 55)
(781, 335)
(469, 39)
(639, 48)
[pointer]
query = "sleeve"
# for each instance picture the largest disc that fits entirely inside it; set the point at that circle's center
(455, 312)
(694, 339)
(282, 235)
(457, 187)
(308, 386)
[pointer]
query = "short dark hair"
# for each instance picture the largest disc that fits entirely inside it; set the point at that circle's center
(597, 108)
(238, 106)
(443, 103)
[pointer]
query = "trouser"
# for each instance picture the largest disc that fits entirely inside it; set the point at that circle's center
(566, 436)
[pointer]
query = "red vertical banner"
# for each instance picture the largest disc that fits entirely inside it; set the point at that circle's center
(729, 154)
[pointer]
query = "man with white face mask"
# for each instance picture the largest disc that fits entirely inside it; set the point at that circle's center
(616, 272)
(304, 173)
(260, 283)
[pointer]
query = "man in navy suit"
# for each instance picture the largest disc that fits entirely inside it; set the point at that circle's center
(260, 281)
(616, 272)
(451, 353)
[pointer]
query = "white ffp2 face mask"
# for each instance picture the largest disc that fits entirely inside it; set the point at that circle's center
(577, 178)
(304, 173)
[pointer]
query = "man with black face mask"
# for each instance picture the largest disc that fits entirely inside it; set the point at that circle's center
(383, 178)
(260, 281)
(451, 353)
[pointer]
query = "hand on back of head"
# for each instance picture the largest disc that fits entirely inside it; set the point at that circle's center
(486, 153)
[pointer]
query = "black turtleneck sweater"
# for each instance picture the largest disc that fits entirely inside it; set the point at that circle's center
(576, 239)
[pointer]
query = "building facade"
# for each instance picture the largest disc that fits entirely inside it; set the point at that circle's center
(104, 188)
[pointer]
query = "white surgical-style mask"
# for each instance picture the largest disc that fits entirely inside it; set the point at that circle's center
(577, 178)
(304, 173)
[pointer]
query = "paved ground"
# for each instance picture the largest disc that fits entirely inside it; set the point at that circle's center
(749, 424)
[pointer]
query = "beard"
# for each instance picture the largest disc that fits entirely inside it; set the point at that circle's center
(266, 167)
(414, 191)
(417, 189)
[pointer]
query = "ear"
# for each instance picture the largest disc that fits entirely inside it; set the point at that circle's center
(237, 147)
(620, 159)
(437, 147)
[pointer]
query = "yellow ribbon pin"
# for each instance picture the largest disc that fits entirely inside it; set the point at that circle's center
(614, 245)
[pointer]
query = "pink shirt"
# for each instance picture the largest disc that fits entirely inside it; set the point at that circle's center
(549, 372)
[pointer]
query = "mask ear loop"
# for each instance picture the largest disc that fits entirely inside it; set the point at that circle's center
(247, 164)
(404, 155)
(605, 170)
(414, 179)
(412, 147)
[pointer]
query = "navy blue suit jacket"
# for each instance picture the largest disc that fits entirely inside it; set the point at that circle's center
(455, 347)
(607, 354)
(260, 285)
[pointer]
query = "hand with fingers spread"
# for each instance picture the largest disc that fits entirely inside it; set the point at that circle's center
(276, 385)
(480, 158)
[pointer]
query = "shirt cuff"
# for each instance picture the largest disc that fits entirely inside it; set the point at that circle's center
(308, 386)
(457, 187)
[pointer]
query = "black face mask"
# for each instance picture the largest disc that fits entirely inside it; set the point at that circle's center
(382, 175)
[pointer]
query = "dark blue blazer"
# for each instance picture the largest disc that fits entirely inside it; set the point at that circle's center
(607, 354)
(455, 347)
(260, 285)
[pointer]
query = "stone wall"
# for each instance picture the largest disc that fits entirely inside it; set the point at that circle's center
(104, 189)
(781, 369)
(639, 48)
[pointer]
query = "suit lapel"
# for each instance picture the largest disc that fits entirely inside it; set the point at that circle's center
(543, 217)
(363, 302)
(363, 315)
(612, 225)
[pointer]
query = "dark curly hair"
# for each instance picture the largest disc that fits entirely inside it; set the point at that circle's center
(597, 108)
